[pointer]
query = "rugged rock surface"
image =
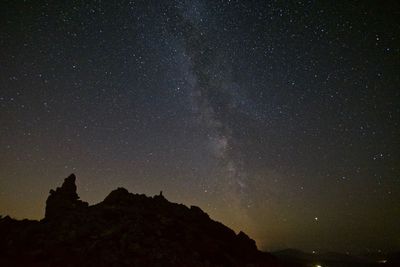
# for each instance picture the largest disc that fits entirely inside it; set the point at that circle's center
(64, 200)
(124, 230)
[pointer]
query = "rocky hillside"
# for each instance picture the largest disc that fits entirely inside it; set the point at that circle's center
(124, 230)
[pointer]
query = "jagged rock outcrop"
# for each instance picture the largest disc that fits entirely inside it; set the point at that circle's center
(64, 200)
(124, 230)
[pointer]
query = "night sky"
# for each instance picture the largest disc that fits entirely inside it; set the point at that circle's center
(278, 118)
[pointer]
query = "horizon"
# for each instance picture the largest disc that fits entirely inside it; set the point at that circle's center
(280, 119)
(272, 250)
(314, 251)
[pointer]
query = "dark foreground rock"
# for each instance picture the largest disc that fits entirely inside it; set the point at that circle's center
(124, 230)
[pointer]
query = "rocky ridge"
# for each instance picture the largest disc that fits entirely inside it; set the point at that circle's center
(124, 230)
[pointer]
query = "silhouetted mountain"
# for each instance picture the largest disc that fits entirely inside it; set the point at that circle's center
(124, 230)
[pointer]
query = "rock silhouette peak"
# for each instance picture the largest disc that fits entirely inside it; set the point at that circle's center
(64, 199)
(125, 229)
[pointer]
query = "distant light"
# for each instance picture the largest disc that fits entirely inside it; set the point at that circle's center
(316, 219)
(318, 265)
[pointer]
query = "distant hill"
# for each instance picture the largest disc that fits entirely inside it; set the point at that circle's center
(124, 230)
(334, 259)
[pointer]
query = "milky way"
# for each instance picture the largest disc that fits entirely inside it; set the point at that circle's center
(277, 118)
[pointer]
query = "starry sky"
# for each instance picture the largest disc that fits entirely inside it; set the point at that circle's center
(278, 118)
